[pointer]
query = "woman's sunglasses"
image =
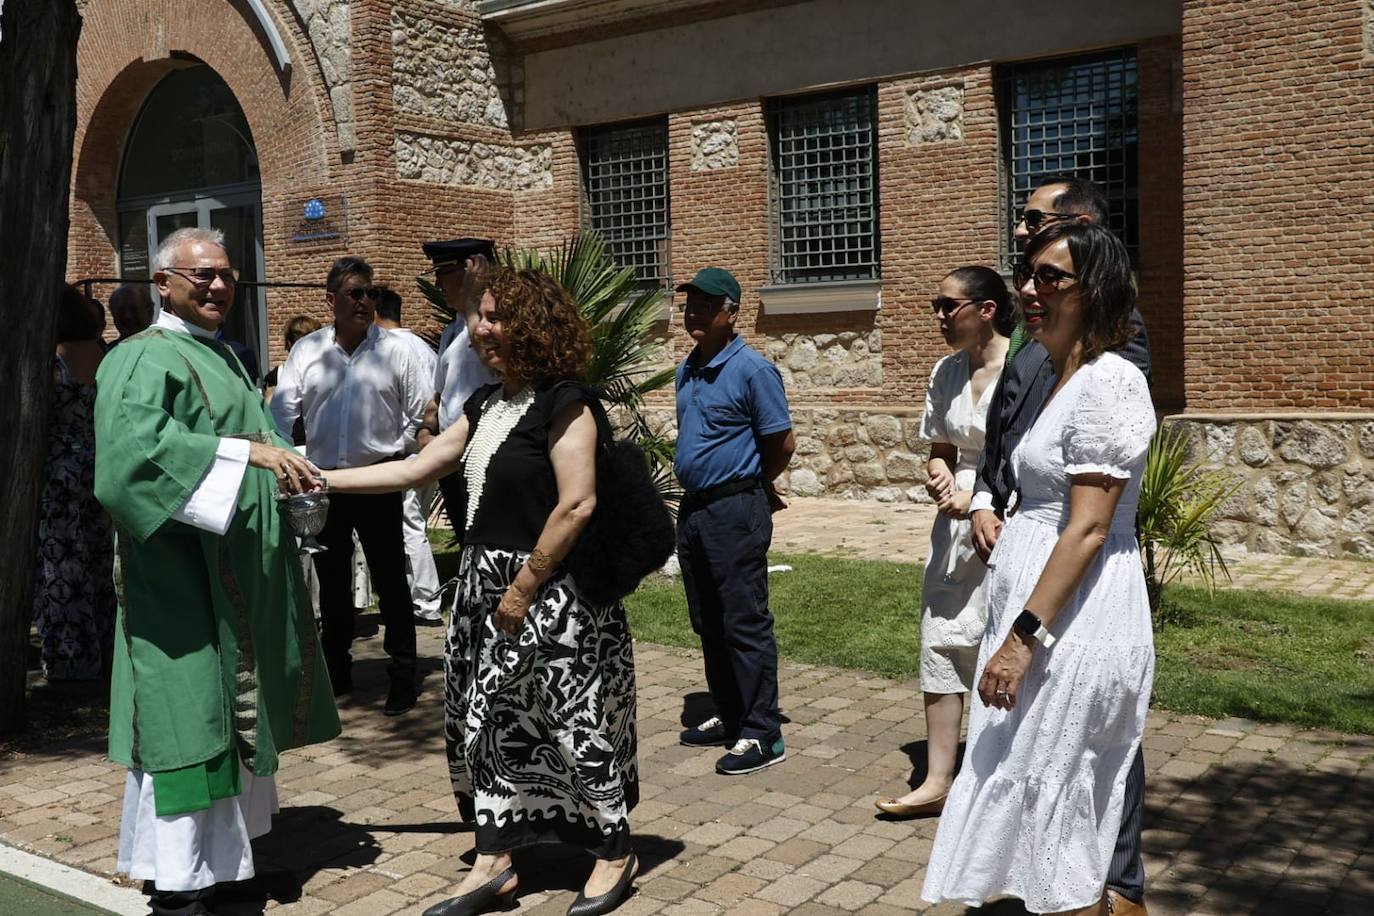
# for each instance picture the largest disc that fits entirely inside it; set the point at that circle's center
(1046, 275)
(948, 305)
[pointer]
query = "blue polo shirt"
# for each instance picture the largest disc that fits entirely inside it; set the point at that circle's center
(722, 410)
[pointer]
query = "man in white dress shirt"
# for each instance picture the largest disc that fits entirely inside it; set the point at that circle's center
(424, 577)
(459, 372)
(362, 394)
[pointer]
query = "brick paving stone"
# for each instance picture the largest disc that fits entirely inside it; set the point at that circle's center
(796, 851)
(728, 890)
(745, 848)
(1235, 809)
(850, 895)
(792, 890)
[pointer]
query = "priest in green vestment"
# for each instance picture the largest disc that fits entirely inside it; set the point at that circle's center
(217, 666)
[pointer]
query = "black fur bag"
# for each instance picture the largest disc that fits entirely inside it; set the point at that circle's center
(631, 532)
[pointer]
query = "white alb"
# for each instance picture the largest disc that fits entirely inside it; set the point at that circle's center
(1035, 811)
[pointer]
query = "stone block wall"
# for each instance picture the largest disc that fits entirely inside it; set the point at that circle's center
(849, 453)
(1307, 483)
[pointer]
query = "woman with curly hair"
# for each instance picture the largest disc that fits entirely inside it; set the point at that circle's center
(539, 710)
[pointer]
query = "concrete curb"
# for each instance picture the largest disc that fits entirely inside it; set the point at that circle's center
(72, 882)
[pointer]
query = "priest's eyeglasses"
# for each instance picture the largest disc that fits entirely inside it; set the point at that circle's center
(204, 276)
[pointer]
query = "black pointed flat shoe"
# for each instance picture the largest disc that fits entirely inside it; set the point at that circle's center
(594, 906)
(486, 899)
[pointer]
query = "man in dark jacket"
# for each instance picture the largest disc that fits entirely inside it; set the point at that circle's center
(1021, 393)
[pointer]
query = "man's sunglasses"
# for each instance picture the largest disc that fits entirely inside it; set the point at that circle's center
(204, 276)
(1046, 275)
(358, 292)
(947, 305)
(1035, 219)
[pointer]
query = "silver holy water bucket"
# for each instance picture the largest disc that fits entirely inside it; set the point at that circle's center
(306, 513)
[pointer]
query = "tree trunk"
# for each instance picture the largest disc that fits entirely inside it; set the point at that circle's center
(37, 127)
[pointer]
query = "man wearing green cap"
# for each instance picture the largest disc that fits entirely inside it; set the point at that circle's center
(734, 438)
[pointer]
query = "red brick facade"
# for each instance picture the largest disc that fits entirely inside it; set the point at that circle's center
(1256, 167)
(1278, 177)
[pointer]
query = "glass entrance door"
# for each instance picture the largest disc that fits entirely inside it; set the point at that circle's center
(239, 217)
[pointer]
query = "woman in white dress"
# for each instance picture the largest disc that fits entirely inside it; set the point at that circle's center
(975, 313)
(1067, 661)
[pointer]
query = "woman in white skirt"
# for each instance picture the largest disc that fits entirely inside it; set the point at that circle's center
(1067, 661)
(975, 313)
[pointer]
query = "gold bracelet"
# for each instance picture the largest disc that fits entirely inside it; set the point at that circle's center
(539, 562)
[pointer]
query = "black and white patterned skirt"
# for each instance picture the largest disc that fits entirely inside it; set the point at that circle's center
(540, 726)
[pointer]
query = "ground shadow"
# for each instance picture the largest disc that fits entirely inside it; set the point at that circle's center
(304, 840)
(1262, 836)
(918, 752)
(697, 707)
(61, 718)
(565, 868)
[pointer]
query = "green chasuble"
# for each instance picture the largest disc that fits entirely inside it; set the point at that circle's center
(216, 653)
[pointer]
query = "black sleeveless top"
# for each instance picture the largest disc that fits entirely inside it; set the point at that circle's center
(520, 490)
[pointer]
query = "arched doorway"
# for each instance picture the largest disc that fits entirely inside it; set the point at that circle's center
(190, 161)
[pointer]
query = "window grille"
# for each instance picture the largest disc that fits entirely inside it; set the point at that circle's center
(625, 195)
(824, 188)
(1071, 116)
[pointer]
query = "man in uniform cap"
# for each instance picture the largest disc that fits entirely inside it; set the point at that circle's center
(734, 437)
(459, 266)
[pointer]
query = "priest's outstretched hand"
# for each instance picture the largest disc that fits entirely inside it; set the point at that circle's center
(294, 474)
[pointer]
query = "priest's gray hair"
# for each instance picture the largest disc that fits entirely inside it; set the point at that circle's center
(167, 251)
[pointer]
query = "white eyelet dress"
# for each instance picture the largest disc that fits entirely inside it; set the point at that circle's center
(1036, 809)
(953, 591)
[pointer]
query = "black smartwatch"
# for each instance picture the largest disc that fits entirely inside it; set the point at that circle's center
(1029, 626)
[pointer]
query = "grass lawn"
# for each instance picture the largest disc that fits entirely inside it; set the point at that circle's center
(1258, 655)
(20, 896)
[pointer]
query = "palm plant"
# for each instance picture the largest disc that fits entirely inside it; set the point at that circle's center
(621, 311)
(1178, 498)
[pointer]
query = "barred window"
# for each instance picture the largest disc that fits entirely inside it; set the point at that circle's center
(625, 194)
(824, 188)
(1071, 116)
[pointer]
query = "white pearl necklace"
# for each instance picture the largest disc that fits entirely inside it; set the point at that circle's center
(499, 417)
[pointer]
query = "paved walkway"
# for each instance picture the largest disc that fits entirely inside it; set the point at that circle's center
(900, 532)
(1240, 817)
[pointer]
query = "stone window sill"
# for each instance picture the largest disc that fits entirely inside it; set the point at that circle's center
(819, 298)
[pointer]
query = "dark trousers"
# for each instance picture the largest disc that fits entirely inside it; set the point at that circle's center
(180, 903)
(722, 546)
(1126, 874)
(377, 519)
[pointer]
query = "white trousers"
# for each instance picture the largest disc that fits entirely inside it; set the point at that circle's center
(421, 572)
(188, 852)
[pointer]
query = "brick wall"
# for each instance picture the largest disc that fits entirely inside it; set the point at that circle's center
(126, 47)
(1278, 173)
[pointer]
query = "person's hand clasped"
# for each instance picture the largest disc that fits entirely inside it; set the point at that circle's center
(956, 504)
(987, 527)
(294, 474)
(510, 614)
(1004, 672)
(940, 485)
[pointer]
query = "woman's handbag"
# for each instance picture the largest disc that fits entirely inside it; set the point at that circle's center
(631, 532)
